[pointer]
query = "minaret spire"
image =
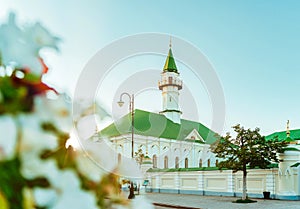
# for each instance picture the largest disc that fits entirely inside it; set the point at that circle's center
(170, 65)
(170, 84)
(288, 129)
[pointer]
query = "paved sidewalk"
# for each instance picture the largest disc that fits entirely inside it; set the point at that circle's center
(214, 202)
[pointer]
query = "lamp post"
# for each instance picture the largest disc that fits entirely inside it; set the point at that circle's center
(131, 110)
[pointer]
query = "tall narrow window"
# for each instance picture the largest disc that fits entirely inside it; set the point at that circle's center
(200, 163)
(119, 158)
(177, 162)
(208, 163)
(166, 162)
(186, 163)
(154, 161)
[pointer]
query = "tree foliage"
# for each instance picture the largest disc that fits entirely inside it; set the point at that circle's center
(248, 148)
(139, 156)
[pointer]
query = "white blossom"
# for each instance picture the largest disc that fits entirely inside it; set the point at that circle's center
(129, 168)
(45, 197)
(65, 192)
(20, 46)
(88, 167)
(56, 110)
(70, 194)
(8, 136)
(32, 133)
(87, 126)
(101, 153)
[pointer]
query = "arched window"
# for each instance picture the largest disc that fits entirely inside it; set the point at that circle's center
(166, 164)
(200, 163)
(154, 161)
(177, 162)
(208, 163)
(186, 162)
(119, 158)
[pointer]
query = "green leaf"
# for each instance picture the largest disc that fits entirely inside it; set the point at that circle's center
(14, 98)
(12, 183)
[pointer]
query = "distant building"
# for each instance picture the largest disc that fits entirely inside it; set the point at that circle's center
(289, 164)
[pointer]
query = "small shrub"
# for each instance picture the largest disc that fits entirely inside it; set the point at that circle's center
(244, 201)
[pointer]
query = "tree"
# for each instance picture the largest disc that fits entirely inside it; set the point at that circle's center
(249, 149)
(139, 156)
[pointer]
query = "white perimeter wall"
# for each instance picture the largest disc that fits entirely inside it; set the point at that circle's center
(225, 183)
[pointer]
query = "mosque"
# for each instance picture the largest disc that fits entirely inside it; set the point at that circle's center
(177, 151)
(171, 142)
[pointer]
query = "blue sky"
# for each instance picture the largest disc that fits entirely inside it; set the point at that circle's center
(253, 45)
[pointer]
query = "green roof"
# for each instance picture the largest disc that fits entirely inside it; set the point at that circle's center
(295, 165)
(157, 125)
(291, 149)
(294, 135)
(170, 65)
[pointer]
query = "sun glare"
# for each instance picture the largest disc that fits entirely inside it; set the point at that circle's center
(73, 141)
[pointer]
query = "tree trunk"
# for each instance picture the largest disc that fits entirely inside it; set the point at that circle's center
(244, 183)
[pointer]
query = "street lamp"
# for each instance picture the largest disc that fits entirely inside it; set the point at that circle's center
(131, 110)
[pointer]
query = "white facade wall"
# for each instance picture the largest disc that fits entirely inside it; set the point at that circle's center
(161, 148)
(282, 182)
(222, 183)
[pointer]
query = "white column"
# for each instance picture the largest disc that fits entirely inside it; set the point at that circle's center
(157, 180)
(285, 172)
(177, 180)
(270, 182)
(231, 183)
(201, 181)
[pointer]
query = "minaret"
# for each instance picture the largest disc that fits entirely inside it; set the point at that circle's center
(170, 84)
(286, 171)
(288, 133)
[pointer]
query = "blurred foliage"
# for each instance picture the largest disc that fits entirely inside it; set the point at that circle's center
(12, 183)
(21, 72)
(17, 92)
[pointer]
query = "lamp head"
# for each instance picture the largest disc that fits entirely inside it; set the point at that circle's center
(120, 103)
